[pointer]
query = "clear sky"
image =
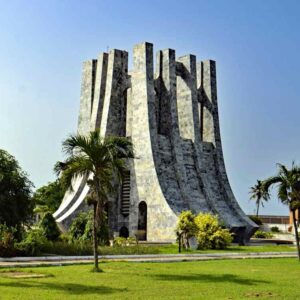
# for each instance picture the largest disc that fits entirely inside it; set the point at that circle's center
(256, 45)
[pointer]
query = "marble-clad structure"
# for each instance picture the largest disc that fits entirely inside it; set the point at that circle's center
(171, 116)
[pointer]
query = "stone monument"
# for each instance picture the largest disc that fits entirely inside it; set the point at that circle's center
(171, 117)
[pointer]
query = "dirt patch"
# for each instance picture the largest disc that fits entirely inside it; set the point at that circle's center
(260, 294)
(22, 275)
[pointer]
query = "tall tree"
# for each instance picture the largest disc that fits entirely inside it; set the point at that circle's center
(287, 182)
(259, 194)
(16, 205)
(48, 197)
(102, 162)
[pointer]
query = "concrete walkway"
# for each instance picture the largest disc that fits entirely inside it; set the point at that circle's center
(70, 260)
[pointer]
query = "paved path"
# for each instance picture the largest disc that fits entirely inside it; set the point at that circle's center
(70, 260)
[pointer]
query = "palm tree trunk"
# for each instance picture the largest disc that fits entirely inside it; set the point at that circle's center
(296, 233)
(257, 210)
(95, 240)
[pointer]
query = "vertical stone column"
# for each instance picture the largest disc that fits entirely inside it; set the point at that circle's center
(160, 218)
(99, 92)
(166, 65)
(114, 115)
(86, 96)
(210, 117)
(166, 71)
(129, 112)
(187, 99)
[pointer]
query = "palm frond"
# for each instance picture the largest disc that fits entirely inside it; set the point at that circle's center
(267, 183)
(75, 167)
(283, 169)
(76, 143)
(121, 147)
(283, 193)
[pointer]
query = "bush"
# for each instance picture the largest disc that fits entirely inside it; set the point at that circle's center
(49, 226)
(259, 234)
(210, 235)
(186, 227)
(120, 241)
(33, 244)
(65, 238)
(221, 239)
(256, 220)
(123, 242)
(81, 228)
(7, 241)
(275, 229)
(68, 248)
(77, 227)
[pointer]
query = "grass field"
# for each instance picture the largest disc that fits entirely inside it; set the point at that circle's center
(225, 279)
(173, 249)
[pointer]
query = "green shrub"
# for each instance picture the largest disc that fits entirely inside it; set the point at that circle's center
(65, 238)
(259, 234)
(50, 228)
(77, 227)
(68, 248)
(33, 244)
(221, 239)
(131, 241)
(81, 228)
(210, 235)
(256, 220)
(275, 229)
(7, 241)
(102, 232)
(186, 227)
(123, 242)
(119, 241)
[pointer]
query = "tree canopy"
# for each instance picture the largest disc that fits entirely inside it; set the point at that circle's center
(16, 206)
(259, 194)
(49, 197)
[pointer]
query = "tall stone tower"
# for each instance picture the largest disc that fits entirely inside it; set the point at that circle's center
(171, 116)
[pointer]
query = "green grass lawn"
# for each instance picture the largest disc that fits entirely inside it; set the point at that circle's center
(173, 249)
(59, 248)
(221, 279)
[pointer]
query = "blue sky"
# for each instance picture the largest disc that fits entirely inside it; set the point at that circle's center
(256, 45)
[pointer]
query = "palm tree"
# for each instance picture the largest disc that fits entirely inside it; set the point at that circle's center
(259, 194)
(288, 184)
(102, 162)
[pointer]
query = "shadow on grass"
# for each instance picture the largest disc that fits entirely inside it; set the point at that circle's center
(210, 278)
(70, 288)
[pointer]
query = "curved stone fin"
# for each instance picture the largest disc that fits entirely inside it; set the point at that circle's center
(113, 120)
(187, 98)
(99, 91)
(170, 152)
(86, 103)
(86, 96)
(211, 133)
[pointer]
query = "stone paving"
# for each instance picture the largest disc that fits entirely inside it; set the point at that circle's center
(70, 260)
